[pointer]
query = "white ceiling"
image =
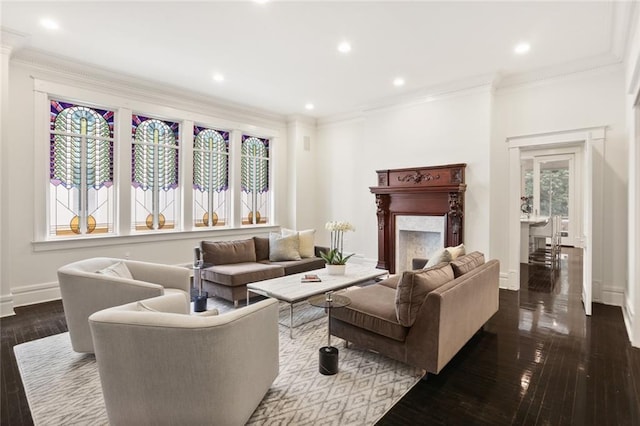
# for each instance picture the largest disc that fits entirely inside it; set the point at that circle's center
(281, 55)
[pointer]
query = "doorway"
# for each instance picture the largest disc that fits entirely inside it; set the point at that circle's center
(551, 181)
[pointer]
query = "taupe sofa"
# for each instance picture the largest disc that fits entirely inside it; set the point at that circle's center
(422, 317)
(231, 265)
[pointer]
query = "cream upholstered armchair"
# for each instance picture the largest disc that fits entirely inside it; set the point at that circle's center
(90, 285)
(166, 368)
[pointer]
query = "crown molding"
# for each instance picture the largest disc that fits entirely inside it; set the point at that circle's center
(301, 119)
(108, 81)
(563, 70)
(12, 39)
(622, 25)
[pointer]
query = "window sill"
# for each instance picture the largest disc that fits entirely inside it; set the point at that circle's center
(113, 240)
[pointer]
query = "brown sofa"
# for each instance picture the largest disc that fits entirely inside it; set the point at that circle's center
(231, 265)
(422, 317)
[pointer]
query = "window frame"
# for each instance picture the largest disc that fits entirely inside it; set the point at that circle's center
(124, 104)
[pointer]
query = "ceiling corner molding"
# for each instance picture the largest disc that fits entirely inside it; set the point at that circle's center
(302, 119)
(345, 117)
(89, 76)
(13, 39)
(595, 64)
(621, 27)
(434, 93)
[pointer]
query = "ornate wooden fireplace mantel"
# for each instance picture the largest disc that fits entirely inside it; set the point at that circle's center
(428, 191)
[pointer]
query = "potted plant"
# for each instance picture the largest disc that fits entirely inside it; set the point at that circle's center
(335, 258)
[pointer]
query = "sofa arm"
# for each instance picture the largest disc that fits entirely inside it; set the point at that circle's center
(168, 276)
(451, 315)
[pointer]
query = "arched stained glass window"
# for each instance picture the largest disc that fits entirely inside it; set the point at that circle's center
(154, 173)
(255, 180)
(210, 176)
(80, 169)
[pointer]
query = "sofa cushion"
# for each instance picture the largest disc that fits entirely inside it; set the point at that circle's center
(228, 252)
(238, 274)
(442, 255)
(467, 263)
(372, 308)
(391, 282)
(413, 288)
(298, 266)
(306, 241)
(283, 248)
(262, 248)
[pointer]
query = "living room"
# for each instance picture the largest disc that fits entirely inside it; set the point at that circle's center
(323, 160)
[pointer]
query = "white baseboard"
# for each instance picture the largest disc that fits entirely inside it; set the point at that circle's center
(611, 296)
(36, 293)
(6, 305)
(627, 315)
(504, 280)
(512, 279)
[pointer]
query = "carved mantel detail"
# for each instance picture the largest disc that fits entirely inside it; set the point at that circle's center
(417, 177)
(431, 191)
(382, 209)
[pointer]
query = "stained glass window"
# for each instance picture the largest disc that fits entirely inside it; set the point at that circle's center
(255, 180)
(80, 169)
(210, 176)
(154, 173)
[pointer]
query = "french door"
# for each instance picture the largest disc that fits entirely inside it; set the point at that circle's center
(554, 192)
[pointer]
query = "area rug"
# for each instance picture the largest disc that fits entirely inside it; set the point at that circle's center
(63, 387)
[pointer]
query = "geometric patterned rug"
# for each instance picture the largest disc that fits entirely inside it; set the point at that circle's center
(63, 387)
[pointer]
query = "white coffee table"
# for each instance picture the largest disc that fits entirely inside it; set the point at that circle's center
(291, 290)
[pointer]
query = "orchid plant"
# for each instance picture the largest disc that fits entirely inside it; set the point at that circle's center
(335, 256)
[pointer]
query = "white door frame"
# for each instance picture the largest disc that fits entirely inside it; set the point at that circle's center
(591, 139)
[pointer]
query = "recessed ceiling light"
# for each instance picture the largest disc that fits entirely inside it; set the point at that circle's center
(309, 106)
(522, 48)
(218, 77)
(398, 82)
(49, 24)
(344, 47)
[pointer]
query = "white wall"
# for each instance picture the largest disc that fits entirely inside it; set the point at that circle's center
(28, 269)
(576, 101)
(631, 307)
(450, 129)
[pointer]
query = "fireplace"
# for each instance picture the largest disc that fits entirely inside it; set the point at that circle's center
(417, 236)
(423, 194)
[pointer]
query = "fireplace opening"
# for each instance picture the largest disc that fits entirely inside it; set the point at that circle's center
(417, 237)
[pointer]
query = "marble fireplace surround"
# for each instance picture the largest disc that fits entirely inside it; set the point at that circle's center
(431, 191)
(417, 236)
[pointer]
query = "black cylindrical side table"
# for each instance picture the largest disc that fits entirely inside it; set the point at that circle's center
(328, 355)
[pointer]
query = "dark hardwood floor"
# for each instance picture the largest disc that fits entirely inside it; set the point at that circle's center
(538, 361)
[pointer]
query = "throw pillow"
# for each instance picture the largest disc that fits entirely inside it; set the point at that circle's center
(413, 288)
(262, 248)
(117, 270)
(283, 248)
(228, 252)
(306, 241)
(467, 263)
(456, 251)
(442, 255)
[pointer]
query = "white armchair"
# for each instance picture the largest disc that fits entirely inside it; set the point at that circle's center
(166, 368)
(84, 290)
